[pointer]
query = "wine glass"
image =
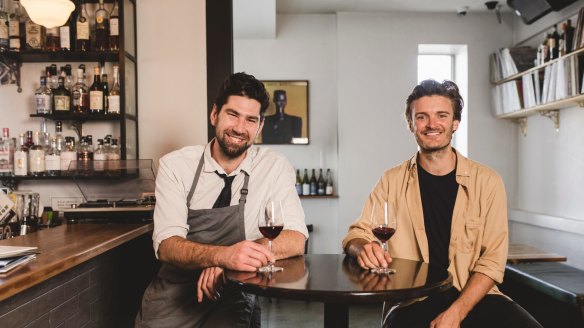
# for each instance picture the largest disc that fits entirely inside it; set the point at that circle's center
(383, 226)
(270, 226)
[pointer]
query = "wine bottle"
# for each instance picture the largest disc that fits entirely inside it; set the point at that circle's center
(101, 28)
(4, 35)
(321, 184)
(313, 184)
(14, 27)
(34, 35)
(105, 89)
(329, 183)
(6, 153)
(21, 158)
(114, 95)
(555, 43)
(96, 94)
(305, 183)
(53, 160)
(66, 34)
(36, 157)
(43, 98)
(80, 93)
(53, 39)
(114, 22)
(82, 29)
(298, 184)
(568, 36)
(62, 97)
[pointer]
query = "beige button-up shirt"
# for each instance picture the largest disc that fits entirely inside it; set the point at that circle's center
(271, 176)
(479, 231)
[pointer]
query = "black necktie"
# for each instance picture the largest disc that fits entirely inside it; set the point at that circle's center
(224, 198)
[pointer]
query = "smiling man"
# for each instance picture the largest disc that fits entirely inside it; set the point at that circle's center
(452, 213)
(208, 202)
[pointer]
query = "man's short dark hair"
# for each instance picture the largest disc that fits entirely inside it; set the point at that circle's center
(245, 85)
(431, 87)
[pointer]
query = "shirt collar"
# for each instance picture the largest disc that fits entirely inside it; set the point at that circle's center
(462, 164)
(211, 165)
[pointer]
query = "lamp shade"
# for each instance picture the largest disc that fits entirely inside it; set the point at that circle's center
(48, 13)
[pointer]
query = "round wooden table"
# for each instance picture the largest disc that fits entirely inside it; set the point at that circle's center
(337, 281)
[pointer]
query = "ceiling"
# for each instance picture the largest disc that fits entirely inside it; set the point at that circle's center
(331, 6)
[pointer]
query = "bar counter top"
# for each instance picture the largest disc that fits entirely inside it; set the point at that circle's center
(62, 248)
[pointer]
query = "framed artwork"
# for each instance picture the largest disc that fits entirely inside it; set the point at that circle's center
(286, 119)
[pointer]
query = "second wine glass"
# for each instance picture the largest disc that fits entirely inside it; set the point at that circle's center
(383, 226)
(270, 227)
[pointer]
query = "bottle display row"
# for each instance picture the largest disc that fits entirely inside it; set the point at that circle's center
(58, 94)
(38, 154)
(314, 186)
(89, 28)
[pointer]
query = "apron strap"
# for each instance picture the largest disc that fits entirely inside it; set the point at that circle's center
(244, 188)
(195, 180)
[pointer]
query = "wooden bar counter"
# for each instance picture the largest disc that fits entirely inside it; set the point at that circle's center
(86, 275)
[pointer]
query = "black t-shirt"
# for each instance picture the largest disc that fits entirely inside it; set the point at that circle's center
(438, 197)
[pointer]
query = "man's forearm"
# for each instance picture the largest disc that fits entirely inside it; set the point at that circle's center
(187, 254)
(288, 244)
(355, 246)
(477, 287)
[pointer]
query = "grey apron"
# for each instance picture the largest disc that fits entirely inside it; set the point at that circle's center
(171, 298)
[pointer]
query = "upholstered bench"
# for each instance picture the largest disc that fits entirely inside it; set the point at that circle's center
(558, 281)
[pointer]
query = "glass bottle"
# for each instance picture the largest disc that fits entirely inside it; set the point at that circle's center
(82, 29)
(29, 140)
(329, 183)
(313, 184)
(321, 184)
(114, 94)
(43, 98)
(36, 157)
(53, 160)
(96, 94)
(101, 28)
(114, 156)
(59, 136)
(305, 183)
(66, 73)
(62, 98)
(105, 88)
(68, 154)
(14, 27)
(21, 158)
(555, 43)
(53, 39)
(80, 93)
(4, 35)
(6, 153)
(568, 36)
(99, 156)
(114, 25)
(298, 184)
(65, 33)
(34, 35)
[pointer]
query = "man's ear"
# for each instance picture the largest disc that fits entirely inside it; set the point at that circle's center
(455, 125)
(213, 115)
(260, 127)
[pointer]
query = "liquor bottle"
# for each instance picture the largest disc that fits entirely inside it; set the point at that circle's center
(53, 39)
(96, 94)
(68, 154)
(62, 98)
(43, 98)
(568, 36)
(6, 153)
(99, 156)
(101, 28)
(53, 160)
(35, 35)
(114, 22)
(66, 33)
(313, 184)
(80, 93)
(14, 27)
(4, 35)
(36, 157)
(66, 73)
(545, 48)
(21, 158)
(52, 77)
(59, 136)
(28, 141)
(321, 184)
(298, 184)
(114, 157)
(114, 95)
(82, 29)
(305, 183)
(555, 43)
(105, 88)
(329, 183)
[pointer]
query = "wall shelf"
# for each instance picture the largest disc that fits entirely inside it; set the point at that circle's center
(318, 197)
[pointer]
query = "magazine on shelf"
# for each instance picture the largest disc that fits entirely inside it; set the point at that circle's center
(7, 264)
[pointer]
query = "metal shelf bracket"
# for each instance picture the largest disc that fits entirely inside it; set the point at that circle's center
(522, 121)
(553, 115)
(10, 71)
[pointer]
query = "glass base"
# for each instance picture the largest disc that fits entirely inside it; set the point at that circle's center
(270, 268)
(383, 270)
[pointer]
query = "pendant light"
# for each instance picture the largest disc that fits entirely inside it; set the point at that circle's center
(48, 13)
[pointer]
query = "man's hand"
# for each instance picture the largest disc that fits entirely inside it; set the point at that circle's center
(451, 318)
(369, 255)
(245, 256)
(210, 284)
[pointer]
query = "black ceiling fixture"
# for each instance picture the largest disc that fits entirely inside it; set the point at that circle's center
(495, 6)
(532, 10)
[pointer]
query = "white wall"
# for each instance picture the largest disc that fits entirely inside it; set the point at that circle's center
(549, 212)
(361, 67)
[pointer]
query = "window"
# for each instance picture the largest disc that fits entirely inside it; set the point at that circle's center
(437, 67)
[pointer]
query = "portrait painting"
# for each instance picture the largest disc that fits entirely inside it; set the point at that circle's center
(286, 119)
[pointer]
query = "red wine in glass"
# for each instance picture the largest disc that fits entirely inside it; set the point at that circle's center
(383, 226)
(271, 232)
(382, 233)
(270, 226)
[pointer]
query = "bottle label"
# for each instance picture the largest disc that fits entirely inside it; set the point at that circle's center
(83, 30)
(14, 28)
(96, 100)
(306, 189)
(53, 162)
(114, 27)
(62, 103)
(299, 189)
(114, 104)
(15, 43)
(43, 104)
(66, 158)
(33, 35)
(65, 37)
(5, 165)
(329, 190)
(37, 160)
(4, 30)
(20, 163)
(99, 161)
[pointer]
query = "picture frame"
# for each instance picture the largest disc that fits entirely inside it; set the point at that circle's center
(286, 120)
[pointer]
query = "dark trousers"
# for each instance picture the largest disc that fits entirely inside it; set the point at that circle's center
(492, 311)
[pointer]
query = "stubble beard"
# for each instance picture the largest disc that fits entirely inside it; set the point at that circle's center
(231, 150)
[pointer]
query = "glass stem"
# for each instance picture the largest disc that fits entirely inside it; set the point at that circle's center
(270, 248)
(384, 246)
